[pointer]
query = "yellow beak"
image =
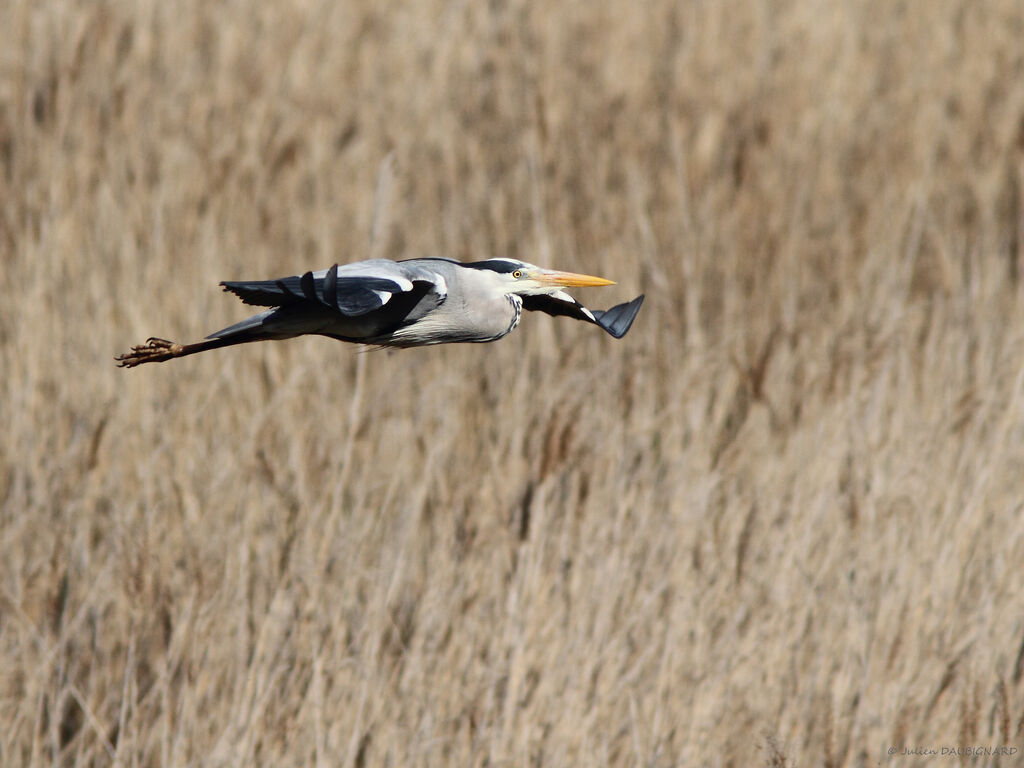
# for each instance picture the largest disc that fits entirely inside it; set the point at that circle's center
(554, 277)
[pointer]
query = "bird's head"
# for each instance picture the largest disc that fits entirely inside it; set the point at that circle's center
(523, 279)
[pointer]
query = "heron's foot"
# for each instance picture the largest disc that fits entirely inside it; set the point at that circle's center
(153, 351)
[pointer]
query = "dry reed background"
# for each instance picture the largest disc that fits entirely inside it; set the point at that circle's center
(779, 524)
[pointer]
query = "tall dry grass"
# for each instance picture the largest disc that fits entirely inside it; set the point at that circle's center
(780, 523)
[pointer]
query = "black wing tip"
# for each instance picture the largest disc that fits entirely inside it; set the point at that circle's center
(619, 319)
(238, 290)
(252, 295)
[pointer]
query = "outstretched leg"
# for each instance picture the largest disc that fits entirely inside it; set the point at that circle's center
(158, 350)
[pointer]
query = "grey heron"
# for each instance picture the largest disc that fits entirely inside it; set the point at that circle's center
(400, 304)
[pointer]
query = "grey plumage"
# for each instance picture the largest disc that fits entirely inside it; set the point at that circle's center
(400, 304)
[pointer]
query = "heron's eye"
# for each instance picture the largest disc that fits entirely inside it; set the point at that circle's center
(517, 274)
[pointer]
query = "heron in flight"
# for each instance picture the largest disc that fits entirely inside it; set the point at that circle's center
(408, 303)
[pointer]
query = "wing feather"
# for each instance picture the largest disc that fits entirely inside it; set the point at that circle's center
(350, 294)
(331, 286)
(616, 321)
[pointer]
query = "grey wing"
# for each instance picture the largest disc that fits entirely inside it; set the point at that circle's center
(616, 321)
(353, 290)
(354, 301)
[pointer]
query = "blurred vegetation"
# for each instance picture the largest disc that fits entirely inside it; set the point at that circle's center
(778, 524)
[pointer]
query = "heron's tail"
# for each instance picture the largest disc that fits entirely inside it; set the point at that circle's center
(158, 350)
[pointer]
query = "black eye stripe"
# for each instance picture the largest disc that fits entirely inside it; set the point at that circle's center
(495, 265)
